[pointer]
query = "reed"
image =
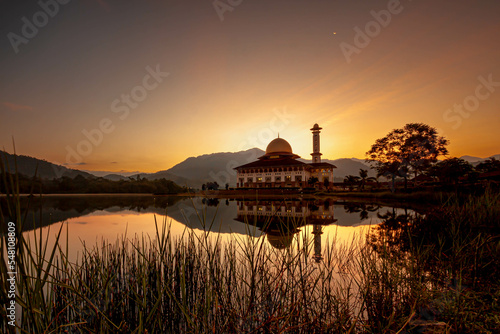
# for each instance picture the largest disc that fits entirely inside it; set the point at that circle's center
(198, 284)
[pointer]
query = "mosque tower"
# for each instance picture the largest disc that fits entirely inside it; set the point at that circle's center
(317, 232)
(316, 156)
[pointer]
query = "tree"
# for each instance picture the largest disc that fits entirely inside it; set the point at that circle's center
(312, 181)
(212, 186)
(351, 180)
(451, 170)
(326, 183)
(489, 165)
(410, 149)
(363, 175)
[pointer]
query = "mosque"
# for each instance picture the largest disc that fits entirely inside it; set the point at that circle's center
(279, 168)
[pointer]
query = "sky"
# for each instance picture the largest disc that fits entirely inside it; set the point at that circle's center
(142, 85)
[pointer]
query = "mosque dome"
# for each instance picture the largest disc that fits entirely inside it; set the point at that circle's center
(280, 241)
(279, 145)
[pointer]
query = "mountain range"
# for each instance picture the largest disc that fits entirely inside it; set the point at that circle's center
(192, 172)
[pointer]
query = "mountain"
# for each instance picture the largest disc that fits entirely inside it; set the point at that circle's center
(216, 167)
(192, 172)
(104, 174)
(475, 160)
(363, 161)
(471, 159)
(114, 177)
(46, 170)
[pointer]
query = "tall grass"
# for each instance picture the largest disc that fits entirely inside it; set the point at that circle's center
(198, 284)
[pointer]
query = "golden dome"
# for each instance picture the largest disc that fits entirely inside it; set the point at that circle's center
(279, 145)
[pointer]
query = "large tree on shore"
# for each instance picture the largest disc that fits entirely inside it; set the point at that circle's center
(410, 149)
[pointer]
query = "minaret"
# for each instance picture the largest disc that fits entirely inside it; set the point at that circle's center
(317, 231)
(316, 156)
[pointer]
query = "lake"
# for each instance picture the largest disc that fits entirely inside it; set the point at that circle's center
(90, 220)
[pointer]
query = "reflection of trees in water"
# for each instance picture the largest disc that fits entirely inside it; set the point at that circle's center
(437, 245)
(211, 201)
(447, 247)
(361, 208)
(393, 231)
(314, 205)
(47, 210)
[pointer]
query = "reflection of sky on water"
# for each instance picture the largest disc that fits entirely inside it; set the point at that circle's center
(116, 221)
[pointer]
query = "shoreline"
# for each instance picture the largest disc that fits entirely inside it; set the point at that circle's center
(100, 195)
(416, 197)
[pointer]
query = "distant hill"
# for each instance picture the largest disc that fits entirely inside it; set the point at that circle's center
(104, 174)
(363, 161)
(471, 159)
(219, 167)
(193, 171)
(214, 167)
(114, 177)
(46, 170)
(475, 160)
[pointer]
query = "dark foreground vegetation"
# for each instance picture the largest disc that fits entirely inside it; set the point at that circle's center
(96, 185)
(438, 272)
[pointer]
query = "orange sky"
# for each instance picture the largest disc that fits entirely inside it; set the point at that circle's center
(268, 67)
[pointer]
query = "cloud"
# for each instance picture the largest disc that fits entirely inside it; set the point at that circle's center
(16, 107)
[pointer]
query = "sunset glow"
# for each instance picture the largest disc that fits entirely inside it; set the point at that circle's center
(141, 86)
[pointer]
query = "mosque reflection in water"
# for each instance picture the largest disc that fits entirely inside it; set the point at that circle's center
(281, 220)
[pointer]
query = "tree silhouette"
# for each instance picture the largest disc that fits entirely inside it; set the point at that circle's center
(312, 180)
(451, 169)
(410, 149)
(489, 165)
(351, 180)
(363, 175)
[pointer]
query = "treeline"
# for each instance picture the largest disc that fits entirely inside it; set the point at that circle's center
(451, 171)
(449, 174)
(82, 185)
(412, 152)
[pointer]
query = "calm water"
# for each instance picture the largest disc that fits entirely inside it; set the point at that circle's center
(91, 219)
